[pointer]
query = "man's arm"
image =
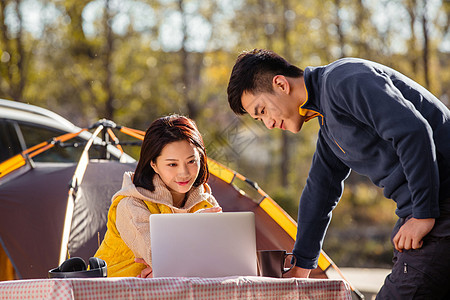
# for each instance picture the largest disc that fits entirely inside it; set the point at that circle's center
(323, 189)
(298, 272)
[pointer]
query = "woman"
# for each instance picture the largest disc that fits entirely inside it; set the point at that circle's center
(170, 177)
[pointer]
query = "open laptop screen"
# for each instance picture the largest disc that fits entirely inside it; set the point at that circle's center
(203, 244)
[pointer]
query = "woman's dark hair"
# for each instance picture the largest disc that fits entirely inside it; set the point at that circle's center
(161, 132)
(253, 72)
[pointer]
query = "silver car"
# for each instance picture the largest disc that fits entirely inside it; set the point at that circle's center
(24, 125)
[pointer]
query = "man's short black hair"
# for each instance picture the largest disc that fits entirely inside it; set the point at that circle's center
(253, 73)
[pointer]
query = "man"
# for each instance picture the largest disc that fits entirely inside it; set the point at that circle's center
(379, 123)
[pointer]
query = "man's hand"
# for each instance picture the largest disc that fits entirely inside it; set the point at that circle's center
(410, 235)
(147, 272)
(298, 272)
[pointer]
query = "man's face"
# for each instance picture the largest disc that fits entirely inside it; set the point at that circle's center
(277, 110)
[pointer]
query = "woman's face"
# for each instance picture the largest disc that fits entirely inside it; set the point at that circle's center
(178, 166)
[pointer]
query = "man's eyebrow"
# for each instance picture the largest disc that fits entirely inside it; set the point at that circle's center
(256, 111)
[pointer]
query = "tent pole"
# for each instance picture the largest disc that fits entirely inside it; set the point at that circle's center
(76, 181)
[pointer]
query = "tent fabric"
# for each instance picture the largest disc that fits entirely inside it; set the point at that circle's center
(30, 217)
(32, 210)
(6, 267)
(102, 180)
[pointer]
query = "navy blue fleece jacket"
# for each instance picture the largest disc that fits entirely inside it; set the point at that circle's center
(379, 123)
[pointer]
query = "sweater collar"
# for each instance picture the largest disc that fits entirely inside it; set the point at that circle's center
(311, 79)
(161, 194)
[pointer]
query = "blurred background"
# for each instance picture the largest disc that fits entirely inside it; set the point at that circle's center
(134, 61)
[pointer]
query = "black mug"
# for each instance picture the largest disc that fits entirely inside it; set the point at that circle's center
(271, 263)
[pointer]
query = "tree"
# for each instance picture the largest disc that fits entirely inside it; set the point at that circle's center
(285, 138)
(13, 55)
(107, 61)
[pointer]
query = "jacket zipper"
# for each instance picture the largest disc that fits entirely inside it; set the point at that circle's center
(339, 146)
(317, 115)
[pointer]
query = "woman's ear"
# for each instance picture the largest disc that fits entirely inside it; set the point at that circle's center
(154, 167)
(280, 82)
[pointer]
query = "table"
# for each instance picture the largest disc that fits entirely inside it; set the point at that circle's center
(225, 288)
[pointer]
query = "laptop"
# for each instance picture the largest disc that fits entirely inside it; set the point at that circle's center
(203, 244)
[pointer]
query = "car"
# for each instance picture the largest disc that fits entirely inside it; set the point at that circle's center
(24, 125)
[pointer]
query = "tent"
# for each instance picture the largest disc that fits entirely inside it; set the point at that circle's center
(53, 210)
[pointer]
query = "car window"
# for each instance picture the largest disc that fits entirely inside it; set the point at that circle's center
(9, 142)
(34, 135)
(18, 136)
(70, 151)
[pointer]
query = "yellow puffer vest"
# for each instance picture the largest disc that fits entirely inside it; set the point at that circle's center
(119, 258)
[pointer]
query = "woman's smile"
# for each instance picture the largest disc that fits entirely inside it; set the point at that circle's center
(183, 183)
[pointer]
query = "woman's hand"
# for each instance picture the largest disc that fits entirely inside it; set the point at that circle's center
(215, 209)
(147, 272)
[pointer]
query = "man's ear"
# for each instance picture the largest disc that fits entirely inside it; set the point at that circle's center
(280, 82)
